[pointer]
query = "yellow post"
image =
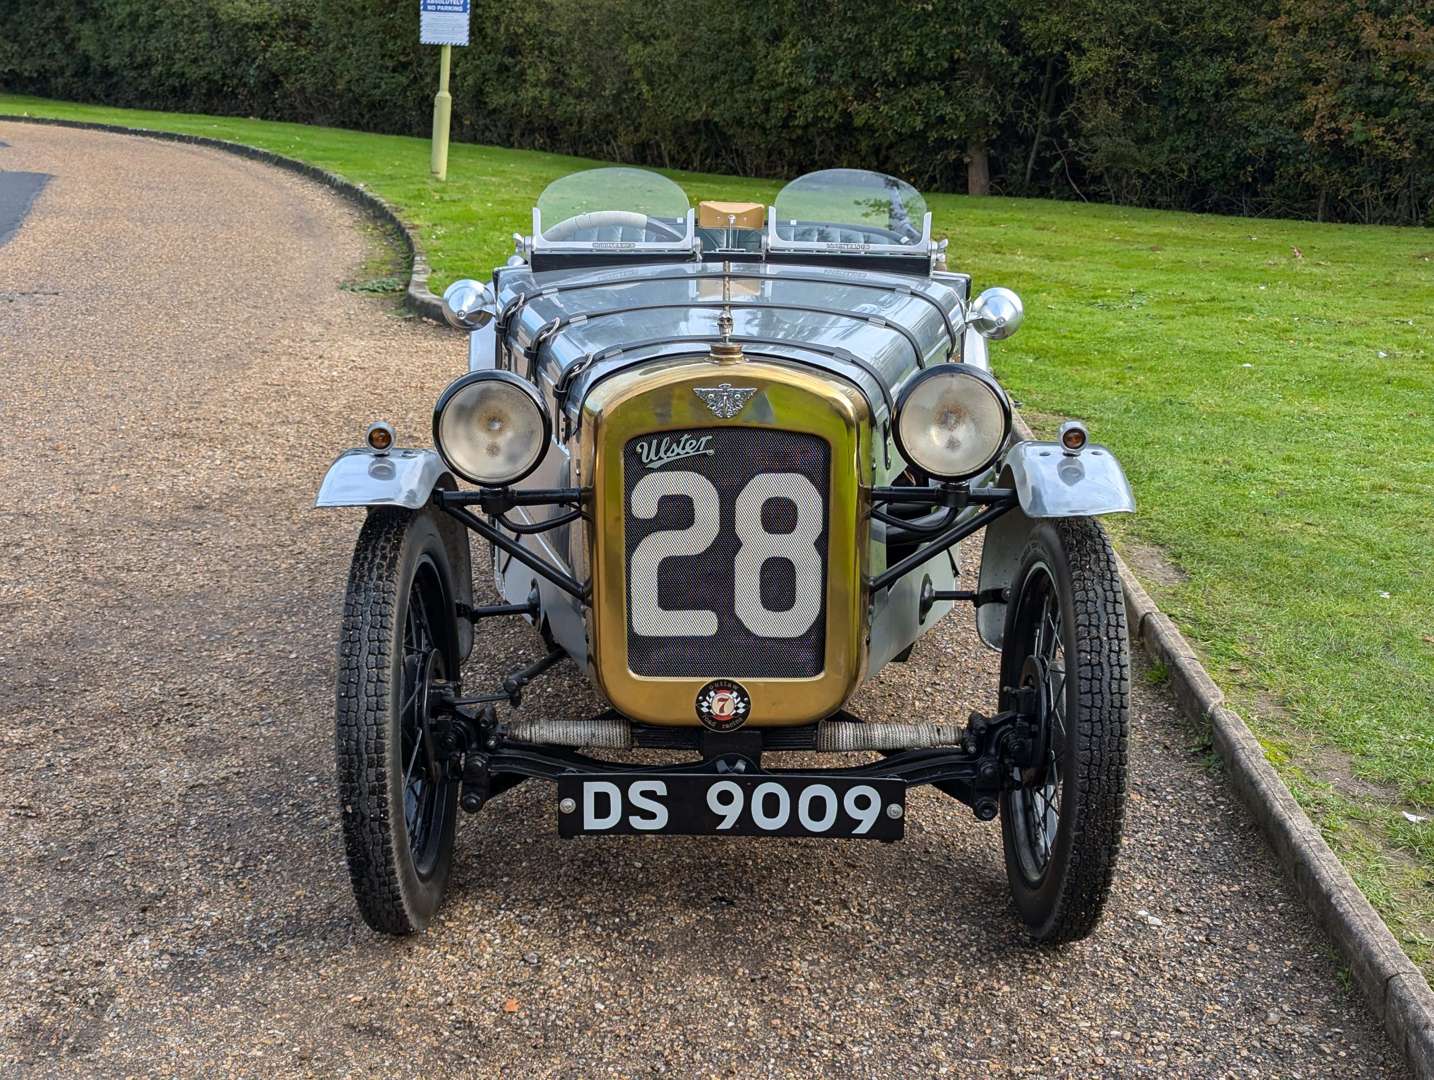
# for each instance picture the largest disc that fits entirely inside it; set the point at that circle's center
(442, 110)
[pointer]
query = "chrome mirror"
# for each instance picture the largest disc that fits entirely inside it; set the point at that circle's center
(996, 314)
(467, 304)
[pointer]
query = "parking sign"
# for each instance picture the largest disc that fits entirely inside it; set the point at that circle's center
(443, 22)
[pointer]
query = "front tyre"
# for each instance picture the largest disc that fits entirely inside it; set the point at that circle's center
(1061, 818)
(398, 805)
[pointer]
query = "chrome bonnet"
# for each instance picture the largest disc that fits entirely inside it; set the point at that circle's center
(871, 329)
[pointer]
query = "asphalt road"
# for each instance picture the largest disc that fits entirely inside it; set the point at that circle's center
(177, 368)
(17, 193)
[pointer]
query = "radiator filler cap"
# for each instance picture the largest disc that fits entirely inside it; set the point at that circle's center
(726, 351)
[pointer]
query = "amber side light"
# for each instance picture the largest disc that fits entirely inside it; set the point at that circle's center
(1073, 436)
(380, 437)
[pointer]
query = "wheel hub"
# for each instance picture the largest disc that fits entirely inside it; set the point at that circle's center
(423, 678)
(1037, 708)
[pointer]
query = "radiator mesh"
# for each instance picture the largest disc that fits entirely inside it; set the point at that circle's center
(692, 617)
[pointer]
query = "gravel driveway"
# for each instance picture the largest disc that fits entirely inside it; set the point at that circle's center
(177, 368)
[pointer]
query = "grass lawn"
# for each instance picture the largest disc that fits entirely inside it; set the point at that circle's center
(1269, 386)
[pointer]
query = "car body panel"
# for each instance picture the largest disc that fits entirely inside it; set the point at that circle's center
(561, 613)
(1049, 484)
(1052, 483)
(363, 477)
(872, 316)
(404, 478)
(898, 615)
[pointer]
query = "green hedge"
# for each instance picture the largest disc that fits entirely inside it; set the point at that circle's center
(1310, 108)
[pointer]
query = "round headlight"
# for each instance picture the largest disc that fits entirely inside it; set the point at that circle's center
(952, 421)
(491, 427)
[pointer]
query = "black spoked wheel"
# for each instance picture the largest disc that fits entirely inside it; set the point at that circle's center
(1036, 802)
(1066, 642)
(398, 803)
(425, 784)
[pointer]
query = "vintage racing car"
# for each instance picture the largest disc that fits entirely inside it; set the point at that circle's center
(723, 459)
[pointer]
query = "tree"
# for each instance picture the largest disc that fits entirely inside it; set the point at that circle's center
(1353, 82)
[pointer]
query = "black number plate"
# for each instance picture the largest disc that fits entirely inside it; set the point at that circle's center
(732, 805)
